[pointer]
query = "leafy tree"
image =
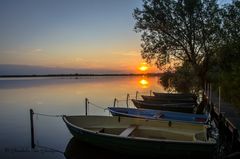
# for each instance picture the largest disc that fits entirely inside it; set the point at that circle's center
(183, 79)
(185, 30)
(231, 26)
(228, 55)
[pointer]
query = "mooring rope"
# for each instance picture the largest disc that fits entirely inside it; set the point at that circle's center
(121, 100)
(48, 115)
(98, 106)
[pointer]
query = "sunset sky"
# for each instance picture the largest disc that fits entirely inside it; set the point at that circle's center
(75, 34)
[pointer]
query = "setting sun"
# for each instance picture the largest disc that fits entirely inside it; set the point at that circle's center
(143, 67)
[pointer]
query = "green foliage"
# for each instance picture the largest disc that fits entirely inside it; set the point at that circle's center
(229, 78)
(228, 55)
(184, 79)
(230, 86)
(231, 18)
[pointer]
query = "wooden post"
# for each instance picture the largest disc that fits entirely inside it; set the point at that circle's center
(115, 101)
(210, 93)
(86, 106)
(219, 99)
(150, 92)
(205, 88)
(207, 91)
(32, 129)
(136, 94)
(127, 99)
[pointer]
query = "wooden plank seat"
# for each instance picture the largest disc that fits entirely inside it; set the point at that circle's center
(128, 131)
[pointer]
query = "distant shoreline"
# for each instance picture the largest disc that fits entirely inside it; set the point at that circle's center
(79, 75)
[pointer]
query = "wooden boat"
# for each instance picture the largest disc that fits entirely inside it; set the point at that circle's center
(168, 100)
(151, 138)
(159, 115)
(176, 95)
(177, 107)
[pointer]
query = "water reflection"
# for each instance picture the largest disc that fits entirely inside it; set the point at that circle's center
(144, 83)
(57, 96)
(77, 149)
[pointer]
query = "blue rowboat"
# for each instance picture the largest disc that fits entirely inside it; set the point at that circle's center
(159, 115)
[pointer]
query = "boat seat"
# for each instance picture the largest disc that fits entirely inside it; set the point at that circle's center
(128, 131)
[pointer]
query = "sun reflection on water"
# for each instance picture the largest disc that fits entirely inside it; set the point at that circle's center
(144, 83)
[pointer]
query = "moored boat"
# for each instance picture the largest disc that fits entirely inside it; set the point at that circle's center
(152, 138)
(175, 95)
(177, 107)
(159, 115)
(168, 100)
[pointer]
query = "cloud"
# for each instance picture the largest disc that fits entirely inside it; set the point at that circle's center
(37, 50)
(21, 50)
(79, 59)
(129, 53)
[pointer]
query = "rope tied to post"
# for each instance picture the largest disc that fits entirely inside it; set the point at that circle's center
(121, 100)
(48, 115)
(98, 106)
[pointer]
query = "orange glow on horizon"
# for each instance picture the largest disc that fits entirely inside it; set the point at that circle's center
(143, 67)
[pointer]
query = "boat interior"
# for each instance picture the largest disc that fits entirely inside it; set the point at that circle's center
(157, 133)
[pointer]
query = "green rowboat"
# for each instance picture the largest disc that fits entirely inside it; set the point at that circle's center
(152, 138)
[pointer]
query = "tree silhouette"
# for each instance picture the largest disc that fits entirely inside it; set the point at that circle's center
(185, 30)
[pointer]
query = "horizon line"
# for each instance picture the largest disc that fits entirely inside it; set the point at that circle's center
(82, 74)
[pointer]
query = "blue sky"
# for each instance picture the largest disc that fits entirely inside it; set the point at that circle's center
(69, 33)
(79, 34)
(25, 22)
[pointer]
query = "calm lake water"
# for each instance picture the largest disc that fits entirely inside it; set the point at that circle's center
(59, 96)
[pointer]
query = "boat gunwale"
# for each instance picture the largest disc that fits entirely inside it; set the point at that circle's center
(175, 94)
(159, 98)
(175, 105)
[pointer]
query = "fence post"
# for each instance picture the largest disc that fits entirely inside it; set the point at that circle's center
(86, 106)
(136, 94)
(127, 99)
(114, 103)
(150, 92)
(210, 92)
(32, 129)
(207, 91)
(205, 88)
(219, 99)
